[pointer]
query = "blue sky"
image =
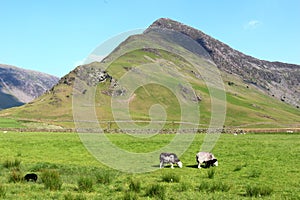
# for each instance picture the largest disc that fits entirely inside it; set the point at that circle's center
(53, 36)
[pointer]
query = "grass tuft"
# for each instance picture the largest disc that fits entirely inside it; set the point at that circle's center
(214, 186)
(105, 176)
(69, 196)
(170, 178)
(85, 184)
(219, 186)
(183, 186)
(15, 176)
(156, 191)
(239, 167)
(135, 185)
(51, 179)
(204, 186)
(11, 163)
(2, 191)
(130, 196)
(254, 173)
(258, 191)
(211, 173)
(43, 165)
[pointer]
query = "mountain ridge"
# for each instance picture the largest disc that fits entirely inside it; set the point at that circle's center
(19, 86)
(248, 104)
(277, 79)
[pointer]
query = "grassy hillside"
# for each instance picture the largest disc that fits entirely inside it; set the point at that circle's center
(246, 106)
(54, 107)
(251, 166)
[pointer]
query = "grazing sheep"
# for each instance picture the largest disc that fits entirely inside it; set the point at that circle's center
(31, 176)
(170, 158)
(207, 158)
(211, 163)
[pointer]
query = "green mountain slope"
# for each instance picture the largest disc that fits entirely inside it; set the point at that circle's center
(246, 106)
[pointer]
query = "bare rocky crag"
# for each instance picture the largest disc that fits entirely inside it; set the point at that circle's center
(277, 79)
(19, 86)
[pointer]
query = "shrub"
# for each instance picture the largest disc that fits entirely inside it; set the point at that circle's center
(15, 175)
(135, 185)
(258, 191)
(11, 163)
(51, 179)
(157, 191)
(85, 184)
(105, 177)
(2, 191)
(211, 173)
(170, 178)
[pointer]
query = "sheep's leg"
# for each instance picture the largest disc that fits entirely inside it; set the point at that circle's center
(199, 165)
(161, 165)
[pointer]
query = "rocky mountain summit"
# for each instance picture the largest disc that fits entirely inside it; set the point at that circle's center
(19, 86)
(277, 79)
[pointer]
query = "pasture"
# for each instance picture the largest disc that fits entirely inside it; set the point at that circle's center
(250, 166)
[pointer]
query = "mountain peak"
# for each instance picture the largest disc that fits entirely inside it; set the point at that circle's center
(241, 73)
(171, 24)
(277, 79)
(165, 22)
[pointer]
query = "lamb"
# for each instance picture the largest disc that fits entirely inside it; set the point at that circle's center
(31, 176)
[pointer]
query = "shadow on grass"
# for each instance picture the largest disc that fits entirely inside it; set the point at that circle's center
(196, 166)
(192, 166)
(156, 166)
(166, 166)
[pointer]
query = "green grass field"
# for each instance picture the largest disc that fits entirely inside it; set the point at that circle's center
(251, 166)
(10, 123)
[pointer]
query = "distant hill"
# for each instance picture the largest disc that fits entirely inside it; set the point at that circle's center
(19, 86)
(258, 93)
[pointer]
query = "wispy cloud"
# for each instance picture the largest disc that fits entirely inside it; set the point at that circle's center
(252, 24)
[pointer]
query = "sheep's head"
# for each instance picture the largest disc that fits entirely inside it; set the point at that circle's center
(179, 164)
(215, 162)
